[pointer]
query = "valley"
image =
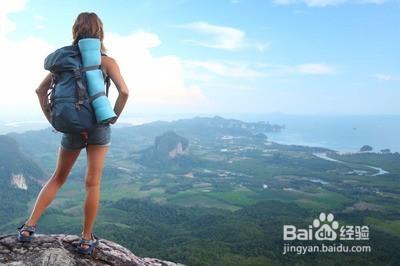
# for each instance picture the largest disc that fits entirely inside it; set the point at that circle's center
(221, 186)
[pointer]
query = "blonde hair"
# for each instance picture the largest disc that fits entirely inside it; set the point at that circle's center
(88, 25)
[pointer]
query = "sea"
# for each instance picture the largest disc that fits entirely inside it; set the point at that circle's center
(343, 133)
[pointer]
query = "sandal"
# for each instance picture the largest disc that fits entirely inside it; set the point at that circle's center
(29, 228)
(92, 243)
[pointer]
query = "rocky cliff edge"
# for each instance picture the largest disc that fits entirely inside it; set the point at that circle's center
(58, 249)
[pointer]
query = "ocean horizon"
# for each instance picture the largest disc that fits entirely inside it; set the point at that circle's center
(344, 133)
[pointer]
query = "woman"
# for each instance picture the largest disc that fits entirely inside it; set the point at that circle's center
(96, 142)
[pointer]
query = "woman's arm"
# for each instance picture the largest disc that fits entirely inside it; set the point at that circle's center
(112, 69)
(41, 92)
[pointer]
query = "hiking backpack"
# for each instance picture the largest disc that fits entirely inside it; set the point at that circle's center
(70, 104)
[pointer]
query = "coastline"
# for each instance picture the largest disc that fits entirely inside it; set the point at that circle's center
(343, 134)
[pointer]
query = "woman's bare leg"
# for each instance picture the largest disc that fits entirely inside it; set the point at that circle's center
(66, 160)
(95, 162)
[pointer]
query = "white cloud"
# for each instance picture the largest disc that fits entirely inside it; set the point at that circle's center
(39, 17)
(386, 77)
(151, 79)
(211, 71)
(22, 64)
(324, 3)
(283, 2)
(39, 26)
(22, 71)
(261, 46)
(39, 22)
(7, 7)
(224, 69)
(315, 69)
(222, 37)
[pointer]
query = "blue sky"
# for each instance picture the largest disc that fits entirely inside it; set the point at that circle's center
(296, 57)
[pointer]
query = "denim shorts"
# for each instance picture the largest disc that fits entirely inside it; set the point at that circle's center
(100, 135)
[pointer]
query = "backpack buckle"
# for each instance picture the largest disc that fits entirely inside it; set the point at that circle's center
(77, 73)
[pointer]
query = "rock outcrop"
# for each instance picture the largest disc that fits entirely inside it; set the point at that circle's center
(170, 151)
(58, 249)
(18, 180)
(170, 145)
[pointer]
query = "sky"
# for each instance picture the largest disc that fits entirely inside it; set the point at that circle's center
(333, 57)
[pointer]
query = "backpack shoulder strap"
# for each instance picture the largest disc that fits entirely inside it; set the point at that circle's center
(108, 84)
(107, 80)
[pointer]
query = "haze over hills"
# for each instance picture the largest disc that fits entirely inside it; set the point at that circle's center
(15, 162)
(20, 179)
(218, 192)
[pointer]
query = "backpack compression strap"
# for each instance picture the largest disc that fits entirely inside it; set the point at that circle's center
(107, 82)
(81, 88)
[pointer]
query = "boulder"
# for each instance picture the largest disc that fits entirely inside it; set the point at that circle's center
(59, 249)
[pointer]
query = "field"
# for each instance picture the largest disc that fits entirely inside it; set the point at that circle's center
(225, 200)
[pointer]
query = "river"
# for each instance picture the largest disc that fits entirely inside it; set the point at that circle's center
(324, 156)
